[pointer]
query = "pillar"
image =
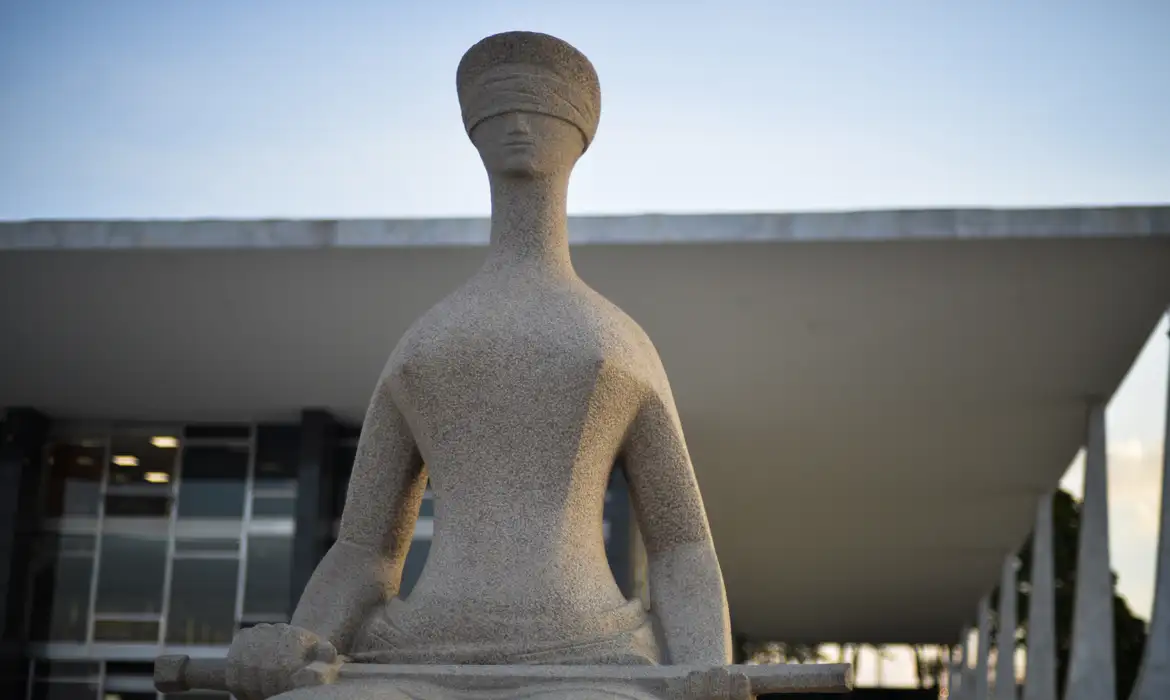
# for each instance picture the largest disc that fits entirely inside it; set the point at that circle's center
(1005, 643)
(1091, 670)
(1153, 681)
(22, 437)
(980, 687)
(960, 679)
(314, 498)
(1040, 673)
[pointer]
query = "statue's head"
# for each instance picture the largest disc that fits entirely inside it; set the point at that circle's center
(530, 102)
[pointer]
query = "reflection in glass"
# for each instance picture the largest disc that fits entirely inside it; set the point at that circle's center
(132, 567)
(198, 695)
(203, 601)
(282, 506)
(71, 670)
(42, 690)
(125, 631)
(135, 460)
(138, 507)
(74, 479)
(213, 482)
(267, 577)
(62, 571)
(277, 451)
(416, 558)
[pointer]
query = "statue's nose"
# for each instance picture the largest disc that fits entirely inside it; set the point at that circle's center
(519, 124)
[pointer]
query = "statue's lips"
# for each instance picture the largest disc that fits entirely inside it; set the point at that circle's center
(519, 144)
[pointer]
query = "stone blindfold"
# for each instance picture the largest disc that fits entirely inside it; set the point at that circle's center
(507, 89)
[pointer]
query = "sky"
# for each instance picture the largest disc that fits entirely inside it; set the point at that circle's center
(219, 109)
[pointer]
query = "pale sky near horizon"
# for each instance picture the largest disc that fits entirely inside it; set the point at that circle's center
(217, 108)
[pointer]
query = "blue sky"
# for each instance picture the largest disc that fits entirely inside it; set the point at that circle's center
(220, 108)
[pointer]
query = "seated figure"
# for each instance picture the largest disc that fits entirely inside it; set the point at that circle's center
(516, 396)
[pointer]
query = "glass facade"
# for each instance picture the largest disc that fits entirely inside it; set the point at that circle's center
(169, 539)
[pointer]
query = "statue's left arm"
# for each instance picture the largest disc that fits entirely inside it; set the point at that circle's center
(686, 584)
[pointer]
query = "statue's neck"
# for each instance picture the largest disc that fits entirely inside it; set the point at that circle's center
(530, 224)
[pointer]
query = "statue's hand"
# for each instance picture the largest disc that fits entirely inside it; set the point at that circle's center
(268, 660)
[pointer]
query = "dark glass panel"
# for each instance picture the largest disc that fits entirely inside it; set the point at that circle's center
(64, 691)
(137, 460)
(51, 668)
(129, 668)
(213, 482)
(125, 631)
(209, 431)
(203, 601)
(343, 458)
(62, 572)
(416, 558)
(206, 546)
(277, 451)
(274, 506)
(138, 506)
(267, 577)
(74, 480)
(132, 570)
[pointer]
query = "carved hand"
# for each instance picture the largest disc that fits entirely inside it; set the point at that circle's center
(268, 660)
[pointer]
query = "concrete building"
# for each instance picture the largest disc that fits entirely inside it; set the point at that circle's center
(183, 398)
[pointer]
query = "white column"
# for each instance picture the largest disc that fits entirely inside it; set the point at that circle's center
(1153, 681)
(1040, 674)
(961, 677)
(1091, 670)
(1005, 642)
(980, 686)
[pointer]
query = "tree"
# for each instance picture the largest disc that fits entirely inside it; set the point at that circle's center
(1129, 630)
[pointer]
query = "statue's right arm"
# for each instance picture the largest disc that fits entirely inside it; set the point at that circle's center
(364, 567)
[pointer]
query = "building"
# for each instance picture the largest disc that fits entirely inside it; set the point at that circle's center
(859, 391)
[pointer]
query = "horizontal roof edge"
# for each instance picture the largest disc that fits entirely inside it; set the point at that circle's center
(878, 225)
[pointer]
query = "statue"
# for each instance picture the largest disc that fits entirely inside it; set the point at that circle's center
(516, 395)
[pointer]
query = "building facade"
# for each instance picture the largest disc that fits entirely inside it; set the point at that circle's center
(129, 538)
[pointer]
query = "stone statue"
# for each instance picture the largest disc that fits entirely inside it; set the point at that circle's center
(516, 396)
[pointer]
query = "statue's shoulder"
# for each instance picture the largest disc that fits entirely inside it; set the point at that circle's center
(629, 342)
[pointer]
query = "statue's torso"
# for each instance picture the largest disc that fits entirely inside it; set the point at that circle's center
(518, 391)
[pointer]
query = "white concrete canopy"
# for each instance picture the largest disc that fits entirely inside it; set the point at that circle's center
(874, 402)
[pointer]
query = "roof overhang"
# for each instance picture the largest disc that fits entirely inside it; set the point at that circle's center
(873, 401)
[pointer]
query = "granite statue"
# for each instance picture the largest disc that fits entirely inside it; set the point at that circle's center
(515, 397)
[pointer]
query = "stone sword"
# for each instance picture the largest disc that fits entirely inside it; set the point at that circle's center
(178, 673)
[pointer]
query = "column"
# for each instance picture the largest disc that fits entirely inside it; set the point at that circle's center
(1040, 674)
(959, 687)
(22, 436)
(1153, 682)
(981, 686)
(1091, 671)
(1005, 643)
(314, 498)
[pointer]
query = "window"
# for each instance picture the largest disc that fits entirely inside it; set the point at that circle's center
(212, 482)
(132, 567)
(62, 573)
(144, 461)
(74, 479)
(203, 601)
(267, 594)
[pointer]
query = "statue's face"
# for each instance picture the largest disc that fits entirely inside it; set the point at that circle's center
(525, 144)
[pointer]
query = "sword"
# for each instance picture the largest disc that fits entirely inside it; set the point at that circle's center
(178, 673)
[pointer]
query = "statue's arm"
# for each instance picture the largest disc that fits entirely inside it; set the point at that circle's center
(364, 567)
(686, 584)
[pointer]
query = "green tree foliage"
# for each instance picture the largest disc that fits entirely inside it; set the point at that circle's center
(1129, 630)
